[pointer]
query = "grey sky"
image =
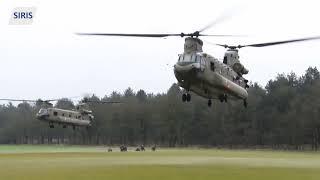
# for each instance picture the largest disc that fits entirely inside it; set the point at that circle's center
(47, 60)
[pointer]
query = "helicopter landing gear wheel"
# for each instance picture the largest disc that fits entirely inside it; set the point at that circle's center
(74, 127)
(51, 126)
(188, 96)
(64, 126)
(245, 103)
(209, 103)
(184, 97)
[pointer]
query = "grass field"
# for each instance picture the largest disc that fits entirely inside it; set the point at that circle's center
(77, 163)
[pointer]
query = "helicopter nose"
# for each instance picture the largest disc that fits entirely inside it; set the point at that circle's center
(185, 68)
(41, 116)
(38, 116)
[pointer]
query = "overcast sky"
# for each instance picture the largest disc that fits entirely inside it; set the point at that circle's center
(47, 60)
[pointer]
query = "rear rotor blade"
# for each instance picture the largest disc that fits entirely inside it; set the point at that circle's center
(87, 100)
(110, 102)
(280, 42)
(268, 43)
(103, 102)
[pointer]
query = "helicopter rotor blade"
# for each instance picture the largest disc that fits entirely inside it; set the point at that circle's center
(129, 35)
(19, 100)
(225, 16)
(64, 99)
(222, 45)
(196, 34)
(222, 35)
(38, 100)
(108, 102)
(101, 102)
(280, 42)
(267, 44)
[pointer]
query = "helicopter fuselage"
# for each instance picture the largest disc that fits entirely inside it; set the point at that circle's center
(208, 77)
(64, 117)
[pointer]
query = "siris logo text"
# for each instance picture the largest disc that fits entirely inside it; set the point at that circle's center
(22, 16)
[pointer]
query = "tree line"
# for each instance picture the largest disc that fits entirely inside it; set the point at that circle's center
(285, 114)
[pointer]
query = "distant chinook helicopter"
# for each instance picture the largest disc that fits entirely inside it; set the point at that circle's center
(204, 74)
(81, 116)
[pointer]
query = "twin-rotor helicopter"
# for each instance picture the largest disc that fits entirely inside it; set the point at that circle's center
(81, 116)
(204, 74)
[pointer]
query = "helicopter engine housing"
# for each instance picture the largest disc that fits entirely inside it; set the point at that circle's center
(231, 58)
(192, 45)
(239, 68)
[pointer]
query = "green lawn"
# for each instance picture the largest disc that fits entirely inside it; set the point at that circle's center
(77, 163)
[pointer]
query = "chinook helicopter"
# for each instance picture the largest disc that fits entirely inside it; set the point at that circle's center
(204, 74)
(80, 116)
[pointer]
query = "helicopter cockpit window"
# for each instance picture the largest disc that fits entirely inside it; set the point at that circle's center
(43, 111)
(180, 58)
(198, 58)
(187, 58)
(55, 113)
(225, 60)
(194, 58)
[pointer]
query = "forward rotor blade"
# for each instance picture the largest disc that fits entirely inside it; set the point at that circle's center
(196, 34)
(65, 99)
(129, 35)
(21, 100)
(223, 17)
(280, 42)
(38, 100)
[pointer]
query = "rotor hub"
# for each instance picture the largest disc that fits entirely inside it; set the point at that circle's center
(193, 45)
